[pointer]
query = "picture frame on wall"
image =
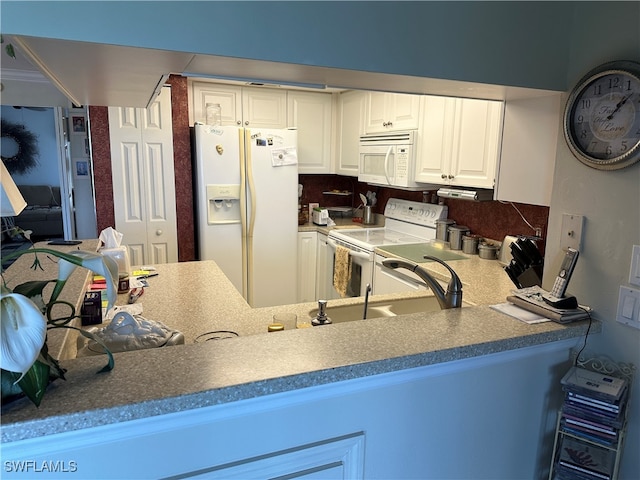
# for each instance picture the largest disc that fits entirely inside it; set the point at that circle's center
(81, 169)
(78, 124)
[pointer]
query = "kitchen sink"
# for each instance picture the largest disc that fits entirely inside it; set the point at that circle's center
(389, 308)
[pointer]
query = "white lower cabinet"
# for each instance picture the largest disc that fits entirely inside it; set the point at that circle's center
(307, 245)
(324, 270)
(459, 142)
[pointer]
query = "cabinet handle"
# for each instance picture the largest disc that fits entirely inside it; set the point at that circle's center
(443, 176)
(246, 122)
(238, 122)
(451, 177)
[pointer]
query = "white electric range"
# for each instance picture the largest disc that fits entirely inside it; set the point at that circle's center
(406, 222)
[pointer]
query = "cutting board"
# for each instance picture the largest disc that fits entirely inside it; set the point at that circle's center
(416, 252)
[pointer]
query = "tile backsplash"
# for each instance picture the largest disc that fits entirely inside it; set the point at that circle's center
(491, 219)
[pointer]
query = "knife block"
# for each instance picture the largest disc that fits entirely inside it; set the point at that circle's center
(532, 276)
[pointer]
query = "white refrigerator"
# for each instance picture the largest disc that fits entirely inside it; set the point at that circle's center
(247, 208)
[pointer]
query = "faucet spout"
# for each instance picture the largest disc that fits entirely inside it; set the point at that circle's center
(452, 298)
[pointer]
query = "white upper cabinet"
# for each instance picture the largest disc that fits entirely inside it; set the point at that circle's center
(529, 142)
(263, 107)
(241, 106)
(311, 114)
(459, 142)
(351, 118)
(391, 111)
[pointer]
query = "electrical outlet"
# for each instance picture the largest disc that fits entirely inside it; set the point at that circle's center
(571, 233)
(634, 272)
(629, 307)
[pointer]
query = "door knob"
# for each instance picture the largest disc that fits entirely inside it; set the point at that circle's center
(158, 232)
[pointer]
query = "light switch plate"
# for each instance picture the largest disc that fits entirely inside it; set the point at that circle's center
(571, 233)
(629, 307)
(634, 272)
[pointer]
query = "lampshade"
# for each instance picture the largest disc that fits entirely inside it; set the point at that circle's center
(11, 200)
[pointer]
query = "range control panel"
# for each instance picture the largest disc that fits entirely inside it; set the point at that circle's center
(425, 214)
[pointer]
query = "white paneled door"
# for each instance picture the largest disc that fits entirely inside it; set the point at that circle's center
(143, 180)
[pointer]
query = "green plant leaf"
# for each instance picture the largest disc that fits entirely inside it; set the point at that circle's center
(34, 382)
(56, 371)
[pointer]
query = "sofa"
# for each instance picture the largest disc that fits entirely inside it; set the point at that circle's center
(43, 213)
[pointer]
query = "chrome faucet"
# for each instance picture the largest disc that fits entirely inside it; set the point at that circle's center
(452, 298)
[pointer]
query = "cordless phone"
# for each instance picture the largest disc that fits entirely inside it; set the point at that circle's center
(556, 298)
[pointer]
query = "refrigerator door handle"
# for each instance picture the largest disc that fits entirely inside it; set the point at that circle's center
(251, 189)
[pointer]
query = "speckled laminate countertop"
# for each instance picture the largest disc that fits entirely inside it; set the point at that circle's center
(196, 297)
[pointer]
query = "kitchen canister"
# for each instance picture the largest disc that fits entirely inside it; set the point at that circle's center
(213, 114)
(442, 228)
(456, 232)
(470, 244)
(487, 251)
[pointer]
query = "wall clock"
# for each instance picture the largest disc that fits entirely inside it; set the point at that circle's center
(602, 116)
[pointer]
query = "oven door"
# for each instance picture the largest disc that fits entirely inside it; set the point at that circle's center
(361, 270)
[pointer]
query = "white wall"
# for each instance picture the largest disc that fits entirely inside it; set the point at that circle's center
(610, 201)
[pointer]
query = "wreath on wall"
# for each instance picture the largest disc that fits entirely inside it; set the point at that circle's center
(26, 148)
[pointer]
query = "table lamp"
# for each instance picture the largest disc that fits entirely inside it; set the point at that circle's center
(12, 202)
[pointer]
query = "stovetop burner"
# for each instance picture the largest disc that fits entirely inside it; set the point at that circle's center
(405, 222)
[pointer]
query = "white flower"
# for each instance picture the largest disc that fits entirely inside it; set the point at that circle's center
(23, 329)
(102, 265)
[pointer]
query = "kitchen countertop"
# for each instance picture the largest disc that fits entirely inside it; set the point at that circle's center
(196, 297)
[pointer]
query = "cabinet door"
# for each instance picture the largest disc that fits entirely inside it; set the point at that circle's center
(476, 143)
(376, 112)
(264, 108)
(229, 98)
(307, 244)
(529, 142)
(386, 112)
(350, 128)
(404, 111)
(435, 134)
(311, 114)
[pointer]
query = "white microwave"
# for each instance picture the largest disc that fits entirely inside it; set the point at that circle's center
(389, 159)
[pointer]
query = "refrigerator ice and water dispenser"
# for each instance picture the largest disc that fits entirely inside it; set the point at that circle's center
(223, 204)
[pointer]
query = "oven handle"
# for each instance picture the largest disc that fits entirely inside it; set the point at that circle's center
(353, 253)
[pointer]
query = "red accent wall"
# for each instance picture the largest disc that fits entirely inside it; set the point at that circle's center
(490, 219)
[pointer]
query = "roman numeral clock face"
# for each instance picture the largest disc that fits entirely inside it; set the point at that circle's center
(602, 116)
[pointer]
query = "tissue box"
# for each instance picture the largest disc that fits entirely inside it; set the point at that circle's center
(120, 255)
